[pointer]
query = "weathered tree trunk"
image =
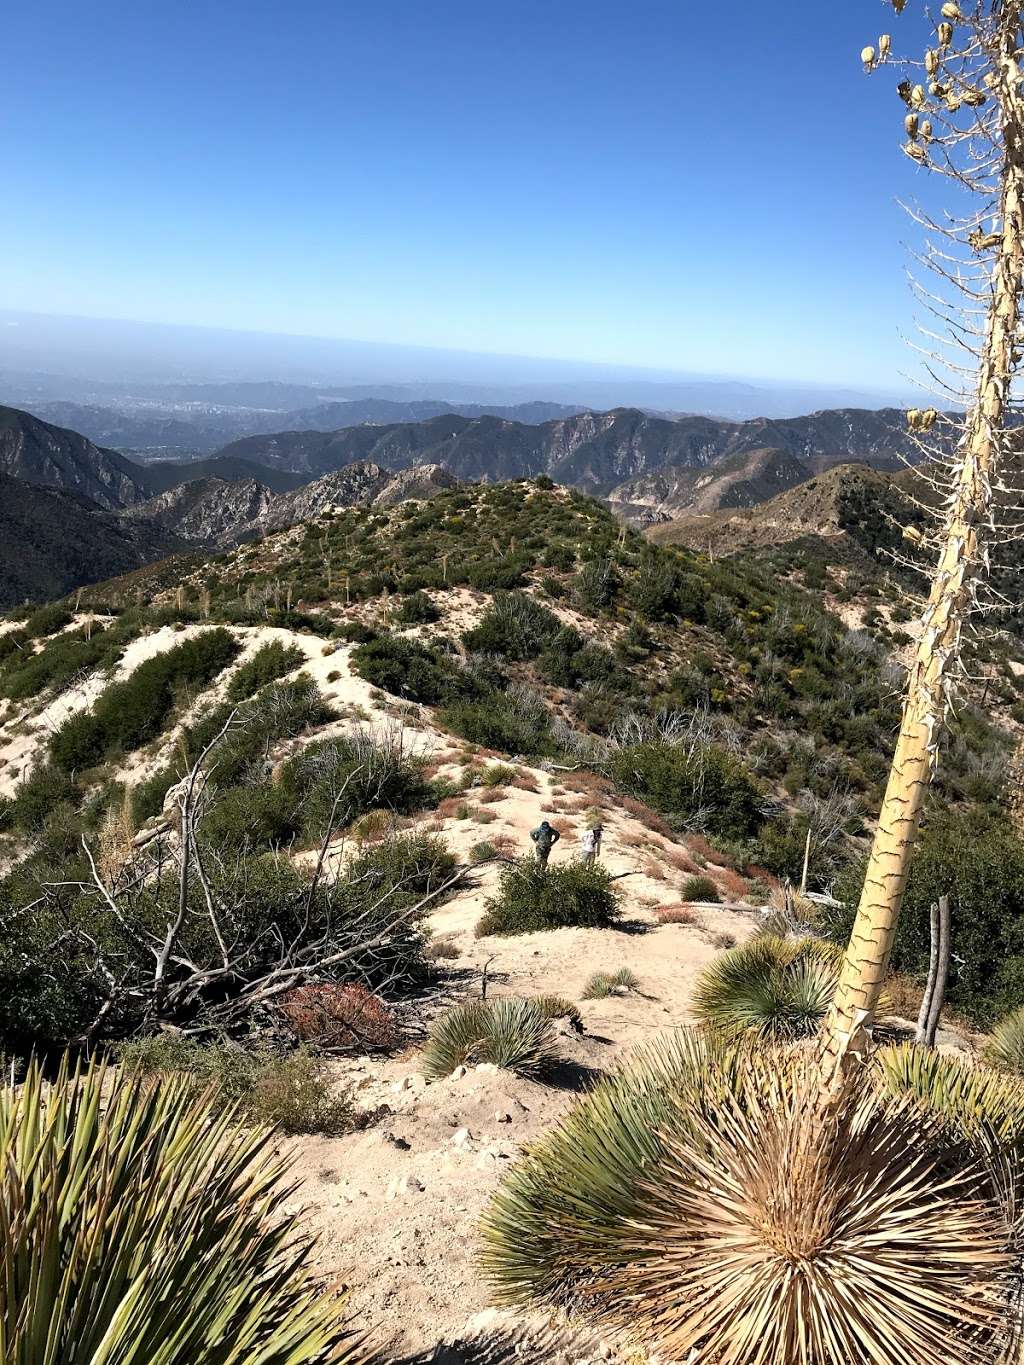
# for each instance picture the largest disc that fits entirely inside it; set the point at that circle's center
(939, 991)
(933, 973)
(938, 649)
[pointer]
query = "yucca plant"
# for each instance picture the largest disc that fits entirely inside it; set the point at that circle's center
(1005, 1048)
(603, 984)
(513, 1034)
(711, 1200)
(557, 1007)
(137, 1224)
(980, 1102)
(777, 988)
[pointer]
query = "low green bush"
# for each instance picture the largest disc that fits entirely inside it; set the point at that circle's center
(700, 889)
(776, 988)
(515, 626)
(410, 670)
(48, 620)
(531, 897)
(293, 1091)
(417, 610)
(131, 713)
(710, 785)
(979, 863)
(270, 662)
(603, 984)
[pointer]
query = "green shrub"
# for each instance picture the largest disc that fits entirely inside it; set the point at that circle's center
(531, 897)
(979, 864)
(410, 670)
(46, 787)
(510, 723)
(293, 1091)
(141, 1225)
(270, 662)
(515, 625)
(700, 889)
(710, 785)
(131, 713)
(603, 984)
(417, 610)
(48, 620)
(512, 1034)
(773, 987)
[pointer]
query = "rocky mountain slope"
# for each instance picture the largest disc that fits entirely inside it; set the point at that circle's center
(219, 513)
(54, 457)
(52, 541)
(613, 453)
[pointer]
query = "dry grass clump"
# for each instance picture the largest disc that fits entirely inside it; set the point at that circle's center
(647, 817)
(344, 1018)
(676, 914)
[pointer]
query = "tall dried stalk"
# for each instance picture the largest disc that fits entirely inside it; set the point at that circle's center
(967, 124)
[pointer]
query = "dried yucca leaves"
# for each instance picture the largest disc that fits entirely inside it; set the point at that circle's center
(706, 1198)
(139, 1227)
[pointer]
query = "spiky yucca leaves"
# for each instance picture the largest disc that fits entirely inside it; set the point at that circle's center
(779, 1228)
(1005, 1048)
(136, 1224)
(557, 1007)
(777, 988)
(513, 1034)
(561, 1210)
(705, 1198)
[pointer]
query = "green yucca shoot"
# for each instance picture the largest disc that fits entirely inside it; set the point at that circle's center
(140, 1227)
(511, 1033)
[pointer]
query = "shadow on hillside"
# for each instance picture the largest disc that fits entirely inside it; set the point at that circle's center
(502, 1348)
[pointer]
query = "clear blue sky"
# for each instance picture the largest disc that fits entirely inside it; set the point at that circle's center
(709, 187)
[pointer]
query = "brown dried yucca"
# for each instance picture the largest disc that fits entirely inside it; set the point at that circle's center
(778, 1231)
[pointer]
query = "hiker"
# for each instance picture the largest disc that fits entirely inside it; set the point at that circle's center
(545, 837)
(591, 844)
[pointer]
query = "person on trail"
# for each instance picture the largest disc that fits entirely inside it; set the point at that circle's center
(545, 837)
(591, 844)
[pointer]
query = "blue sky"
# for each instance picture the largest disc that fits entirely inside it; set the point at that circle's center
(704, 187)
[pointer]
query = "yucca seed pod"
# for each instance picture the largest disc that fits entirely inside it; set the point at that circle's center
(937, 89)
(974, 98)
(953, 103)
(917, 95)
(903, 90)
(867, 56)
(913, 417)
(884, 46)
(926, 130)
(928, 418)
(945, 34)
(912, 534)
(951, 11)
(910, 124)
(898, 5)
(915, 150)
(931, 62)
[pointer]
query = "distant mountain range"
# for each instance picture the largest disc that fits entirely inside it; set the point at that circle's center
(177, 427)
(632, 458)
(650, 469)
